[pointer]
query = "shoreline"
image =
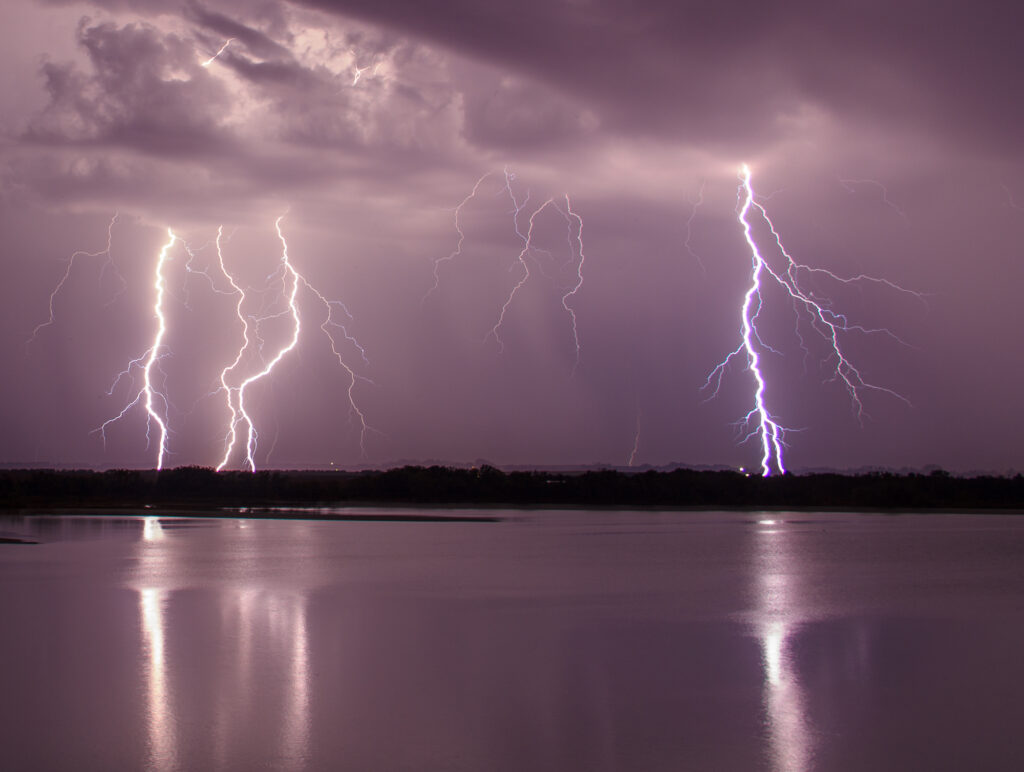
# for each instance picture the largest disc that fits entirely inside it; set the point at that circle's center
(488, 488)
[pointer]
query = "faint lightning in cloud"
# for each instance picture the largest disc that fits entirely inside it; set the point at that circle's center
(148, 395)
(521, 258)
(851, 187)
(108, 264)
(462, 237)
(358, 74)
(1010, 201)
(827, 323)
(528, 251)
(689, 226)
(221, 50)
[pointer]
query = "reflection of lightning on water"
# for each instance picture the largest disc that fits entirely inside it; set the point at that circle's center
(827, 323)
(149, 395)
(788, 724)
(153, 601)
(528, 251)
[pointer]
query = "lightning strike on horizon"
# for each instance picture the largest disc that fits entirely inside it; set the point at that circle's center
(288, 272)
(222, 49)
(147, 394)
(231, 395)
(759, 421)
(636, 441)
(67, 274)
(292, 280)
(329, 321)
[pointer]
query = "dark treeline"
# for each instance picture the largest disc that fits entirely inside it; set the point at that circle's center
(436, 485)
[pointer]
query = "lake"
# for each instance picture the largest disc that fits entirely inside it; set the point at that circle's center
(548, 640)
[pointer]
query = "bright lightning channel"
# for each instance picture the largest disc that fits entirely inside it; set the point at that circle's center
(289, 273)
(231, 395)
(222, 49)
(236, 396)
(759, 421)
(148, 395)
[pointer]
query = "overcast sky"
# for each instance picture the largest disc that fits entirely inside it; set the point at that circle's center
(409, 144)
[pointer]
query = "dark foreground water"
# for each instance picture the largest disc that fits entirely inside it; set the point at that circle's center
(548, 641)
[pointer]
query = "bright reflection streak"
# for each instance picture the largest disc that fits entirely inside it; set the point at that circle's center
(297, 718)
(261, 645)
(236, 611)
(151, 529)
(159, 716)
(784, 704)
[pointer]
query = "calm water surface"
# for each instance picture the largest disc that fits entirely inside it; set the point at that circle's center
(547, 641)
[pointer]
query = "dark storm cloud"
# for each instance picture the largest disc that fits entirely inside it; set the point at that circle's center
(141, 116)
(734, 69)
(369, 122)
(130, 98)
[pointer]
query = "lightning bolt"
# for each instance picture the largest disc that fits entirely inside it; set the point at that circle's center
(231, 395)
(462, 238)
(148, 395)
(579, 277)
(108, 263)
(292, 281)
(288, 273)
(221, 50)
(636, 440)
(575, 242)
(828, 324)
(328, 322)
(521, 258)
(526, 252)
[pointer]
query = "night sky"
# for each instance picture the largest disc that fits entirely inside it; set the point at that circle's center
(883, 139)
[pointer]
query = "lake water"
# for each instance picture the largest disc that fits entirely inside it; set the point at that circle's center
(546, 641)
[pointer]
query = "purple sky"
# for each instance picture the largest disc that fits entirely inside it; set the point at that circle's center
(884, 138)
